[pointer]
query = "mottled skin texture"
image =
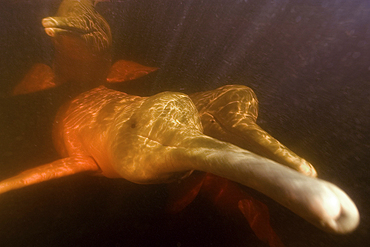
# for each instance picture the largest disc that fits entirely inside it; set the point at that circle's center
(163, 138)
(159, 139)
(230, 114)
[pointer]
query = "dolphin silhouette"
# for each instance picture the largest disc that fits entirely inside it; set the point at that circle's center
(159, 139)
(82, 40)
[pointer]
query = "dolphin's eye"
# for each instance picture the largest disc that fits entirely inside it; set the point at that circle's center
(133, 125)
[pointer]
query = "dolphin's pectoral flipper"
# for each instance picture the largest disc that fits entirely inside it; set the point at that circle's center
(123, 70)
(258, 217)
(228, 197)
(59, 168)
(231, 198)
(39, 77)
(183, 192)
(229, 113)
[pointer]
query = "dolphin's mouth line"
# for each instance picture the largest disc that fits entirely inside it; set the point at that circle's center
(70, 30)
(75, 30)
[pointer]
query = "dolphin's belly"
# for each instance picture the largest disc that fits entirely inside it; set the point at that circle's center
(143, 144)
(129, 136)
(84, 121)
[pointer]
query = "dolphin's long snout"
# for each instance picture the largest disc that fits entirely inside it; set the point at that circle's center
(49, 24)
(348, 217)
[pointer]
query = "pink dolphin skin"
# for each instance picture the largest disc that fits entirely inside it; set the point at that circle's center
(159, 139)
(163, 138)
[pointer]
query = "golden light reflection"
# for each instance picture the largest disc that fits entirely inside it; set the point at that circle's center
(229, 114)
(160, 139)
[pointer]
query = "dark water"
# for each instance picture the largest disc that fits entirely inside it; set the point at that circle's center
(308, 62)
